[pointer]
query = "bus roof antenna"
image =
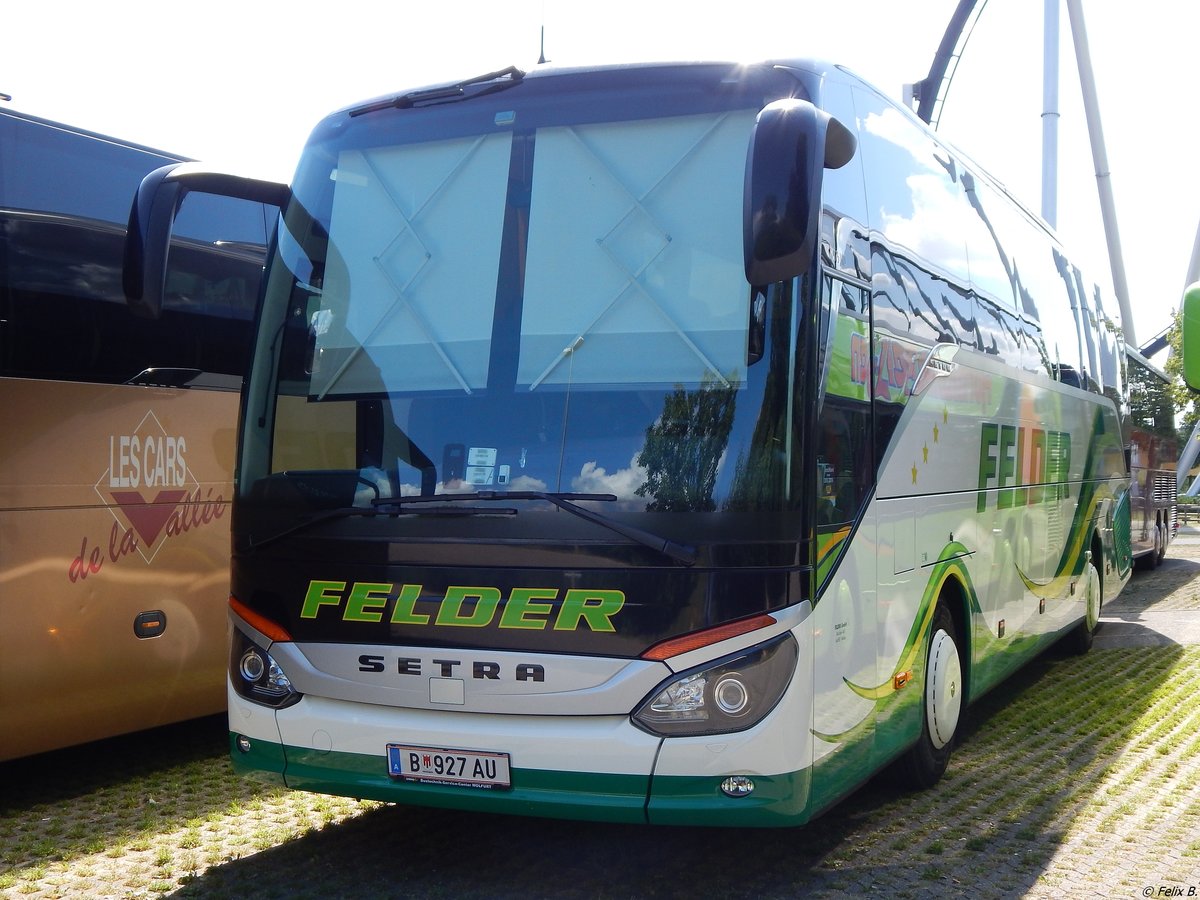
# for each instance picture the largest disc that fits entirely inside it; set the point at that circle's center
(542, 54)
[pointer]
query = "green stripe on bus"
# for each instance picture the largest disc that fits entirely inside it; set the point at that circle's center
(698, 800)
(595, 796)
(262, 761)
(951, 564)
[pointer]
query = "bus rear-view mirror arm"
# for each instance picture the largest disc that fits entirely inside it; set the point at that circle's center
(792, 144)
(152, 219)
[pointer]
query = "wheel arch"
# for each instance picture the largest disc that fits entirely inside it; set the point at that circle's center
(1104, 554)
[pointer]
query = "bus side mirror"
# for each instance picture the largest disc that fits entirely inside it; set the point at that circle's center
(792, 144)
(1190, 333)
(152, 220)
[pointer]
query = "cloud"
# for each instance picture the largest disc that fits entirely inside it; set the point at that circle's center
(595, 479)
(526, 483)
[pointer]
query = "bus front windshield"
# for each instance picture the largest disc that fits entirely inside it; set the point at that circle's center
(518, 301)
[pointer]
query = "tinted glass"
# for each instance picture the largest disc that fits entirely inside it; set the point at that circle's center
(64, 201)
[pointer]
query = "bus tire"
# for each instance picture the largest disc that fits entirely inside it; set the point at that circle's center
(1155, 555)
(1084, 634)
(925, 762)
(1148, 562)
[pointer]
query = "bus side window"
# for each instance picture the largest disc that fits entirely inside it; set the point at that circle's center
(845, 464)
(844, 233)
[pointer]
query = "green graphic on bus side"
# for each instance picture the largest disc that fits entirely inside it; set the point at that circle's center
(466, 607)
(1070, 564)
(951, 563)
(895, 364)
(1028, 465)
(1093, 493)
(1019, 466)
(829, 550)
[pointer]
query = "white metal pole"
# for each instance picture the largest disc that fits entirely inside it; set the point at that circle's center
(1050, 114)
(1108, 213)
(1193, 272)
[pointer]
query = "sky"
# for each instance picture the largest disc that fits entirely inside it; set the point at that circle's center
(241, 84)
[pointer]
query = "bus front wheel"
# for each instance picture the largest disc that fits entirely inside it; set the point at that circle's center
(1084, 633)
(941, 705)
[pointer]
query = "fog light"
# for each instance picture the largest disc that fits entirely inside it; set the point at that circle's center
(737, 786)
(243, 743)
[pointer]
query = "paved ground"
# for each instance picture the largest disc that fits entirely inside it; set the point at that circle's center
(1077, 777)
(1161, 607)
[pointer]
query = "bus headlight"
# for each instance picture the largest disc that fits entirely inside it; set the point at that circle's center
(256, 676)
(730, 694)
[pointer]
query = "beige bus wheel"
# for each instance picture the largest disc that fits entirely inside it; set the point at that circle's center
(943, 688)
(1082, 636)
(941, 702)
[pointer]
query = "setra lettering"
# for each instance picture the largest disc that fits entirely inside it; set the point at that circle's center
(481, 670)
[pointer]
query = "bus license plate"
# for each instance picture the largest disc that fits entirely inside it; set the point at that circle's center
(433, 765)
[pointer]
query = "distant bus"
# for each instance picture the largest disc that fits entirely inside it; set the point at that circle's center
(676, 444)
(1153, 456)
(116, 455)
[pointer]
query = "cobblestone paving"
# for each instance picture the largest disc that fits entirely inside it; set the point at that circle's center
(1173, 586)
(1080, 777)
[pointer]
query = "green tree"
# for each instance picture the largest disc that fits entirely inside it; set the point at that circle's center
(683, 449)
(1183, 398)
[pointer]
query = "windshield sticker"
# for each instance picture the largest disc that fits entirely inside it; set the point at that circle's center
(152, 495)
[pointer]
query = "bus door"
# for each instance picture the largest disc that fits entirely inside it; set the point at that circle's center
(845, 671)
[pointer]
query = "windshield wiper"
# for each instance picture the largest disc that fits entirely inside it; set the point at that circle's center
(447, 93)
(681, 553)
(444, 504)
(348, 512)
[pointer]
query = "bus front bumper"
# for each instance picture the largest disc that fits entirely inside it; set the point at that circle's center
(619, 773)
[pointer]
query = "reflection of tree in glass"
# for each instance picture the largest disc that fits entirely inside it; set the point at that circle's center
(1180, 394)
(1151, 406)
(684, 447)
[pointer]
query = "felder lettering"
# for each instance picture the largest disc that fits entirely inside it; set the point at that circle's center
(1027, 465)
(464, 607)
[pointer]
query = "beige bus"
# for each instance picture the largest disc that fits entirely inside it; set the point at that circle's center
(116, 453)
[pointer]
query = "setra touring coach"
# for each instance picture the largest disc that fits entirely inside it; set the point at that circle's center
(674, 443)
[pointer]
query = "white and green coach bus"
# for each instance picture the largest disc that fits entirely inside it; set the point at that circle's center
(675, 443)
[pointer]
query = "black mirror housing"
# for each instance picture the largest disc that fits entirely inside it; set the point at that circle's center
(792, 144)
(152, 220)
